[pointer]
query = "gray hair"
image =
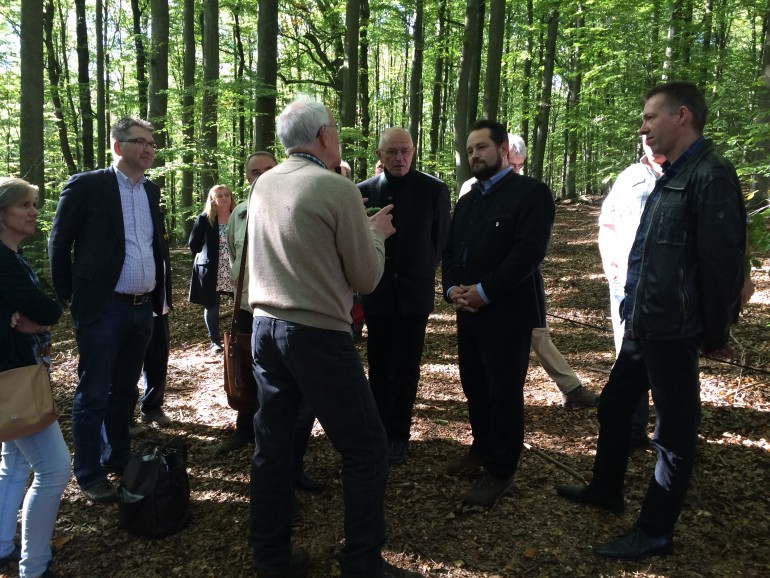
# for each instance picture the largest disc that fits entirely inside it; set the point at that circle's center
(300, 122)
(119, 130)
(517, 145)
(13, 191)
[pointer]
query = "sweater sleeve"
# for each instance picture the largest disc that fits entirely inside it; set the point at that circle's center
(361, 249)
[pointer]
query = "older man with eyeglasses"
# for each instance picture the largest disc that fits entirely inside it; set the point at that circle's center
(396, 312)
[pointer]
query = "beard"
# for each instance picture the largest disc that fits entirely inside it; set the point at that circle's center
(483, 171)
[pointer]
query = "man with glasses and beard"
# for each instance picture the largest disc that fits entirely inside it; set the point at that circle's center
(491, 273)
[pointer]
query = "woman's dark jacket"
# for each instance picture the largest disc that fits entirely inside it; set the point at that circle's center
(204, 244)
(18, 292)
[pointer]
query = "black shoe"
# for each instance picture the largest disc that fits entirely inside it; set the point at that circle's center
(101, 492)
(391, 571)
(299, 563)
(398, 450)
(14, 556)
(635, 546)
(306, 484)
(587, 495)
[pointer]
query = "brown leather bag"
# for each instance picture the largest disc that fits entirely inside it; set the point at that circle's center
(240, 386)
(26, 401)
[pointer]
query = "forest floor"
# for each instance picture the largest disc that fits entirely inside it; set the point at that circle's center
(723, 530)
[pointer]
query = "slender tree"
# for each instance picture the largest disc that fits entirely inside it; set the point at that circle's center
(31, 147)
(158, 101)
(462, 168)
(537, 156)
(267, 75)
(188, 114)
(84, 85)
(415, 81)
(141, 58)
(209, 112)
(350, 75)
(494, 59)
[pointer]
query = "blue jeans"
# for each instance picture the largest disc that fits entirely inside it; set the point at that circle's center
(112, 351)
(46, 454)
(670, 369)
(211, 319)
(292, 361)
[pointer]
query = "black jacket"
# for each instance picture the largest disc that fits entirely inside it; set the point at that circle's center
(499, 240)
(421, 220)
(204, 244)
(18, 292)
(692, 265)
(87, 246)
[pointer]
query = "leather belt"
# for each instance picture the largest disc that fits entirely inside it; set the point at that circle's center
(132, 299)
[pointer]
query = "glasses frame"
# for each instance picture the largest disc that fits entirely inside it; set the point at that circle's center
(141, 142)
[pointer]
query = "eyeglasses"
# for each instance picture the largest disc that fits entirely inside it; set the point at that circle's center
(142, 143)
(333, 125)
(393, 153)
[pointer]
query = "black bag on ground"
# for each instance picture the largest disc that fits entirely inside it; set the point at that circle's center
(154, 491)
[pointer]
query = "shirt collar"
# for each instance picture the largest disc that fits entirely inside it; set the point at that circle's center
(670, 169)
(123, 179)
(487, 185)
(311, 158)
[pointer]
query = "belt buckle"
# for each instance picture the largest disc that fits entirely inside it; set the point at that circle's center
(139, 299)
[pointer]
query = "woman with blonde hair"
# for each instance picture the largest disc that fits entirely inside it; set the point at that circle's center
(211, 266)
(25, 314)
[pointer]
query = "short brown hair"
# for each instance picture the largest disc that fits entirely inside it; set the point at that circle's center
(682, 93)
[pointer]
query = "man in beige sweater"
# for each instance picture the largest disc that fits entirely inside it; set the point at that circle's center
(310, 248)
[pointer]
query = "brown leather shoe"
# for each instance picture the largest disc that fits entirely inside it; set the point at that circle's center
(488, 491)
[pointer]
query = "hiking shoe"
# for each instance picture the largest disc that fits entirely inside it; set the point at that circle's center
(579, 397)
(157, 417)
(216, 347)
(101, 492)
(234, 442)
(299, 563)
(488, 491)
(468, 464)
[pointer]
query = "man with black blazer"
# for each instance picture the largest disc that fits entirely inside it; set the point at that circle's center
(491, 273)
(106, 252)
(397, 311)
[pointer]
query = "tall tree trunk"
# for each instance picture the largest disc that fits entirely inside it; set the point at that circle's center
(415, 82)
(470, 43)
(572, 116)
(474, 78)
(543, 115)
(158, 102)
(210, 173)
(527, 71)
(54, 79)
(362, 166)
(438, 71)
(84, 85)
(141, 58)
(761, 181)
(494, 59)
(188, 116)
(65, 75)
(267, 75)
(31, 144)
(240, 68)
(102, 144)
(350, 76)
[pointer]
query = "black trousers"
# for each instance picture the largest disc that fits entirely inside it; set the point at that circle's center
(493, 368)
(670, 369)
(155, 370)
(394, 352)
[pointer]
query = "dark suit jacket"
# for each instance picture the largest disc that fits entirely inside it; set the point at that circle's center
(204, 244)
(87, 246)
(499, 240)
(421, 219)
